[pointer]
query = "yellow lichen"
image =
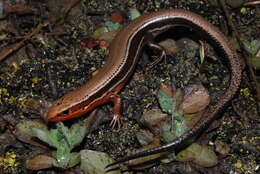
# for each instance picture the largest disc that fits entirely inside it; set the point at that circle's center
(12, 100)
(3, 93)
(8, 162)
(244, 140)
(244, 10)
(245, 92)
(16, 66)
(238, 164)
(35, 80)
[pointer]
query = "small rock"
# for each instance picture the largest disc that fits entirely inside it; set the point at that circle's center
(170, 46)
(222, 148)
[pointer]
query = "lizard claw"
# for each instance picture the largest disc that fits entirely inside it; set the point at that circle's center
(157, 59)
(116, 121)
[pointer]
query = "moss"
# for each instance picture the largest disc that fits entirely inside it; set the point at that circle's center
(8, 162)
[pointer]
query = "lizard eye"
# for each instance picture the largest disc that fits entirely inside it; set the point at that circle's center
(66, 112)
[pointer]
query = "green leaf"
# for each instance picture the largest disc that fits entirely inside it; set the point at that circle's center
(99, 32)
(178, 123)
(74, 159)
(255, 61)
(42, 134)
(177, 99)
(165, 101)
(55, 137)
(77, 133)
(63, 155)
(134, 13)
(65, 132)
(252, 47)
(201, 155)
(170, 132)
(165, 132)
(25, 133)
(170, 105)
(168, 158)
(112, 25)
(95, 162)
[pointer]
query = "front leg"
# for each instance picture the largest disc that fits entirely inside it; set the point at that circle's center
(115, 98)
(155, 47)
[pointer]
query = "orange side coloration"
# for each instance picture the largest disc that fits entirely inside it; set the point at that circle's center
(123, 56)
(111, 97)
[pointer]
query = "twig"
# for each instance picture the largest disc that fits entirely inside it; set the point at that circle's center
(54, 17)
(19, 44)
(251, 3)
(22, 37)
(242, 48)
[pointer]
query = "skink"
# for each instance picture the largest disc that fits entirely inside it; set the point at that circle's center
(125, 49)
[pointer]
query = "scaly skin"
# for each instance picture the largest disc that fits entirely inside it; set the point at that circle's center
(220, 42)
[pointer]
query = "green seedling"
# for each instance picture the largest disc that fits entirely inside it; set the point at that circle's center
(64, 140)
